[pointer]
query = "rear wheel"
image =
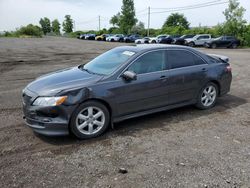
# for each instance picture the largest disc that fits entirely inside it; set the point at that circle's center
(191, 44)
(208, 96)
(89, 120)
(214, 46)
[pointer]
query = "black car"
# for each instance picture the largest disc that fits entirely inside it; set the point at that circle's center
(165, 40)
(131, 38)
(125, 82)
(223, 41)
(181, 40)
(90, 37)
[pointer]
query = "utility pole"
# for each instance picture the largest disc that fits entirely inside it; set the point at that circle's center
(148, 20)
(74, 23)
(99, 20)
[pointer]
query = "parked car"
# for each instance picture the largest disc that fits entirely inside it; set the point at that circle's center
(131, 38)
(198, 40)
(166, 40)
(123, 83)
(102, 37)
(144, 40)
(82, 36)
(181, 40)
(223, 41)
(156, 39)
(90, 37)
(116, 38)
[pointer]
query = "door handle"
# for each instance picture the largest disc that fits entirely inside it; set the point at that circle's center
(163, 77)
(204, 69)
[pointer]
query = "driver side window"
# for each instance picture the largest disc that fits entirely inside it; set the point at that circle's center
(149, 62)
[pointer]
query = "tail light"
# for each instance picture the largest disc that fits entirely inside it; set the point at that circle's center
(228, 68)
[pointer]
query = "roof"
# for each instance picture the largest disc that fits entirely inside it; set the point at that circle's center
(145, 47)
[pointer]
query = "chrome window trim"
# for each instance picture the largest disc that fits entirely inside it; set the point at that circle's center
(205, 63)
(124, 70)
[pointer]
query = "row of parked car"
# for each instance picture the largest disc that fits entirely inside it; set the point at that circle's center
(205, 40)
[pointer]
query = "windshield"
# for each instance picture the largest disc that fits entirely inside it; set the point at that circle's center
(108, 62)
(218, 38)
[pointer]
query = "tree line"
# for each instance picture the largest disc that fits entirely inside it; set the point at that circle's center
(126, 22)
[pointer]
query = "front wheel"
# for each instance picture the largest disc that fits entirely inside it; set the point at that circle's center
(89, 120)
(234, 45)
(208, 96)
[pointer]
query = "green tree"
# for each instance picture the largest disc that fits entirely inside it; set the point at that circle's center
(235, 23)
(115, 19)
(56, 26)
(45, 24)
(68, 24)
(176, 20)
(127, 18)
(30, 30)
(139, 28)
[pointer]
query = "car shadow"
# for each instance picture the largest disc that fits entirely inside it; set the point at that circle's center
(152, 121)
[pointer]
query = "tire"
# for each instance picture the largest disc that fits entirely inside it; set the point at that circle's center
(206, 98)
(89, 120)
(153, 42)
(234, 45)
(139, 42)
(213, 46)
(191, 44)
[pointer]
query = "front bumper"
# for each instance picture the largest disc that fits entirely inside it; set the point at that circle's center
(47, 128)
(50, 121)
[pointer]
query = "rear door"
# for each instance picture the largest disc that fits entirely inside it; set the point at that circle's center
(187, 74)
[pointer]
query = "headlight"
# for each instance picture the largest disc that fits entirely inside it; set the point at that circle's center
(49, 101)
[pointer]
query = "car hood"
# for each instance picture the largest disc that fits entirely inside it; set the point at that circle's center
(67, 79)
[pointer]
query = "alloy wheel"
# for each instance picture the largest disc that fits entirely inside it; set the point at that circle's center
(208, 96)
(90, 120)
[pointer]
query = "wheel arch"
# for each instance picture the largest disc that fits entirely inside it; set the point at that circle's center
(105, 103)
(217, 83)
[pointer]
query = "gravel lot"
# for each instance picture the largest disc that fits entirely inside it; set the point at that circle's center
(184, 147)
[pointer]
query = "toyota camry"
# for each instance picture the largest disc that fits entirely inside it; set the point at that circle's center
(125, 82)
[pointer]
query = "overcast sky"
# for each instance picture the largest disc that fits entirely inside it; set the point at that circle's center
(15, 13)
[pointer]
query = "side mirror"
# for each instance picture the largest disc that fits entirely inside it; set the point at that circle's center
(129, 75)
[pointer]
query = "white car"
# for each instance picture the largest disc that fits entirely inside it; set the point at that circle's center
(115, 38)
(198, 40)
(144, 40)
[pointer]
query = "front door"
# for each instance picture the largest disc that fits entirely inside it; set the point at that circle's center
(146, 92)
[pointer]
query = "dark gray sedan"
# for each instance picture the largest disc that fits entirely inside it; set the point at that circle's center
(123, 83)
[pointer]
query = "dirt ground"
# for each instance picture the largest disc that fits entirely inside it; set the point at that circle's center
(184, 147)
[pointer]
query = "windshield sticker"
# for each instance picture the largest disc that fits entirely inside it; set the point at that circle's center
(128, 53)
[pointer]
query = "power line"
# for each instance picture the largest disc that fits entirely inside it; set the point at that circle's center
(143, 10)
(187, 6)
(195, 7)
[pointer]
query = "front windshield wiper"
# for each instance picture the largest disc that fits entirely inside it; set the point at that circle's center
(88, 71)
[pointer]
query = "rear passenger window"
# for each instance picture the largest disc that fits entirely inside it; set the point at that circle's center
(181, 58)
